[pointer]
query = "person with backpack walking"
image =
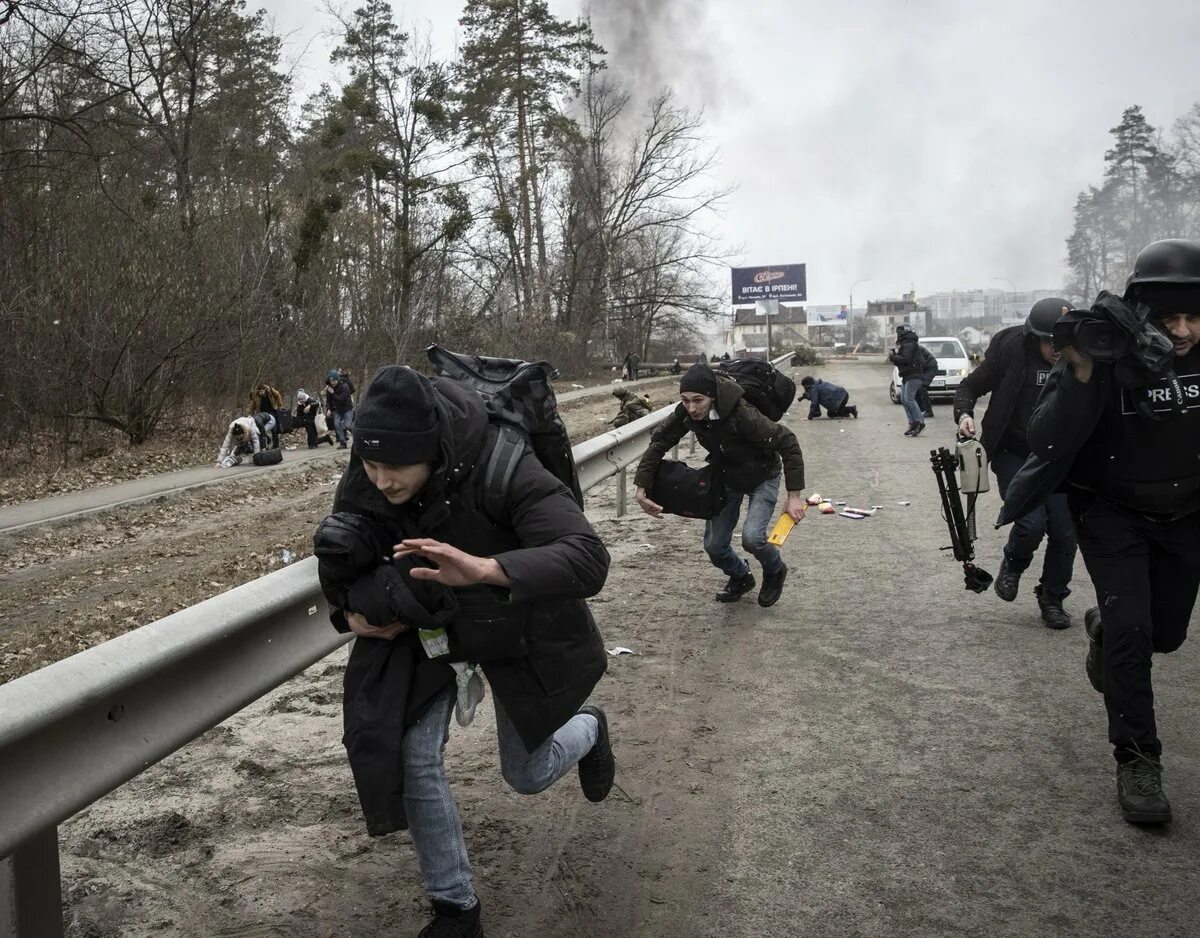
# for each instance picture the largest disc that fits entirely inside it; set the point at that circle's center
(906, 356)
(1014, 371)
(834, 398)
(490, 561)
(339, 404)
(748, 449)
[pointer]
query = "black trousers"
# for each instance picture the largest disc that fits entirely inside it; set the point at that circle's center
(923, 393)
(1146, 575)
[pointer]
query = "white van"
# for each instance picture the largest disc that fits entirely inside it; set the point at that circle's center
(953, 366)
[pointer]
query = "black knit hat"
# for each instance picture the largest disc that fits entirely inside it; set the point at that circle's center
(699, 379)
(396, 422)
(807, 381)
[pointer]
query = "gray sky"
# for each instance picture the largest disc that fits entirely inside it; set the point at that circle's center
(932, 143)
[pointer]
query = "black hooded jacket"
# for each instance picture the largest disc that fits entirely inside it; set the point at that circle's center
(907, 357)
(554, 559)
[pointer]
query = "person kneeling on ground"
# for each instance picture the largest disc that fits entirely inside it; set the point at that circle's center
(506, 569)
(835, 399)
(243, 438)
(633, 407)
(746, 448)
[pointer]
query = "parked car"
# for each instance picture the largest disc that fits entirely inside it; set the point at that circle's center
(953, 366)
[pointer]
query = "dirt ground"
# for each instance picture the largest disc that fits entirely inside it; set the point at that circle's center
(880, 754)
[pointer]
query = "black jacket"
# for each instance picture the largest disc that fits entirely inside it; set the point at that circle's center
(907, 357)
(339, 398)
(742, 443)
(1090, 437)
(552, 556)
(1001, 374)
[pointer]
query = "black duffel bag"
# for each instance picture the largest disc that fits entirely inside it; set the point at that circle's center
(691, 493)
(267, 457)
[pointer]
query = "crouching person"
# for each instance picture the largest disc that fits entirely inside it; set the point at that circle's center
(834, 398)
(747, 449)
(243, 438)
(486, 557)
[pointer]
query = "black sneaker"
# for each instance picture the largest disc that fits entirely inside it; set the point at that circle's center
(853, 411)
(917, 428)
(452, 921)
(772, 588)
(597, 768)
(1008, 581)
(911, 426)
(341, 446)
(736, 588)
(1094, 626)
(929, 413)
(1053, 613)
(1140, 791)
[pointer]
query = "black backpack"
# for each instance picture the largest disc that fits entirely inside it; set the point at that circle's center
(928, 362)
(519, 398)
(766, 387)
(691, 493)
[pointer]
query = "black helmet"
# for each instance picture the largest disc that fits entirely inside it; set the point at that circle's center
(1175, 260)
(1166, 277)
(1043, 315)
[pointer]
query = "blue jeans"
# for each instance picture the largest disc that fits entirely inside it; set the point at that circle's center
(718, 532)
(433, 821)
(908, 398)
(1050, 519)
(342, 423)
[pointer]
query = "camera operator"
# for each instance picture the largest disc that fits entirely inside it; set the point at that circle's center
(1130, 449)
(1014, 371)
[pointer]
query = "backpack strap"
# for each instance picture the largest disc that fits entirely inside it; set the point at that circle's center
(501, 466)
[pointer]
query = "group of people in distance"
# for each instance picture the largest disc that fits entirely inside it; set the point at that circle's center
(259, 430)
(494, 548)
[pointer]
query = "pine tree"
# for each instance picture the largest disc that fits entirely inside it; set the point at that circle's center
(518, 62)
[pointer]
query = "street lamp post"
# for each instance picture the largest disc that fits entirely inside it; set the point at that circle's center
(852, 286)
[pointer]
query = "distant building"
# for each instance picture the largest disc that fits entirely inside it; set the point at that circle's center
(883, 316)
(749, 332)
(989, 306)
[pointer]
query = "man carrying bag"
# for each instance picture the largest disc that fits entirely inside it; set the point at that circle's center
(746, 452)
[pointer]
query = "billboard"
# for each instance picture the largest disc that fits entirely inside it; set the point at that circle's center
(786, 282)
(827, 315)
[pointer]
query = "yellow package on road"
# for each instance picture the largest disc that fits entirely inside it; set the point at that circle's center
(783, 527)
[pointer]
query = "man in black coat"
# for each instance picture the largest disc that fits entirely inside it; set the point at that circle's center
(1126, 441)
(749, 450)
(1014, 371)
(906, 356)
(496, 548)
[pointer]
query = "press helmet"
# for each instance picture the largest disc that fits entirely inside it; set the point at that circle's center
(1043, 315)
(1175, 260)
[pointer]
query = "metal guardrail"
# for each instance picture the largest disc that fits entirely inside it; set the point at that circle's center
(81, 727)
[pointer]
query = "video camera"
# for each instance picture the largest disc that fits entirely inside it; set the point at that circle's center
(1114, 331)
